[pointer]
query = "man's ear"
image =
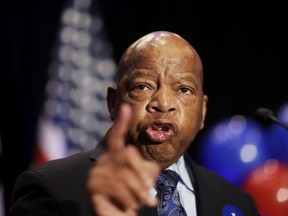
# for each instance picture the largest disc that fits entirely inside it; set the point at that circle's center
(204, 110)
(111, 100)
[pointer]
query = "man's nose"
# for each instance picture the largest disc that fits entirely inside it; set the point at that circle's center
(162, 100)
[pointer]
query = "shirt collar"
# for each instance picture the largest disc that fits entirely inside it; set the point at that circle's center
(180, 168)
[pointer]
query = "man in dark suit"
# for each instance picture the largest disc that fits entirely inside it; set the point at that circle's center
(158, 106)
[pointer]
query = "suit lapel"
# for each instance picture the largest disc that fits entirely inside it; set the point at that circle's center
(146, 211)
(208, 201)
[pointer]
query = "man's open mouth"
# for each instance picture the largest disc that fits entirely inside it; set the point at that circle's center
(159, 131)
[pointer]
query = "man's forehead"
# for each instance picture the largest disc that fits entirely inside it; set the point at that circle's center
(160, 48)
(163, 43)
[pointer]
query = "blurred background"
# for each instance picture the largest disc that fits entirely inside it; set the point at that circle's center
(59, 56)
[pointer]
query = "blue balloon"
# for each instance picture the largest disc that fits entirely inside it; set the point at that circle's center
(233, 148)
(277, 139)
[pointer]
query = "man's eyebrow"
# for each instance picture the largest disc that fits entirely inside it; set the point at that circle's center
(142, 73)
(192, 80)
(187, 77)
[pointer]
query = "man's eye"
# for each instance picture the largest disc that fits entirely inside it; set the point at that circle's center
(141, 87)
(185, 90)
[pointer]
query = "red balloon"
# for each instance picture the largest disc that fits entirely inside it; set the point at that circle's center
(268, 185)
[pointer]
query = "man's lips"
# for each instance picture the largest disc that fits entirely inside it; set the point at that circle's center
(160, 130)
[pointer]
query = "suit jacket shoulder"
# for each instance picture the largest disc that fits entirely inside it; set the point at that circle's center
(215, 195)
(57, 187)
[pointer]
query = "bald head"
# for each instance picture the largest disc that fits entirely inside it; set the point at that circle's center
(153, 45)
(161, 77)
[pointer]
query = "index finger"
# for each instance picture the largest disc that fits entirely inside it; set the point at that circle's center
(115, 139)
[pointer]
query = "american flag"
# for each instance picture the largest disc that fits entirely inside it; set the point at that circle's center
(75, 116)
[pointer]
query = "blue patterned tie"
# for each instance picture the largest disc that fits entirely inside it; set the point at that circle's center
(166, 184)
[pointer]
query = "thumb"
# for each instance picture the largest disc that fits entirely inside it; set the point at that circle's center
(115, 138)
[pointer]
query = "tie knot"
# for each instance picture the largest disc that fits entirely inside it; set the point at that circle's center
(167, 178)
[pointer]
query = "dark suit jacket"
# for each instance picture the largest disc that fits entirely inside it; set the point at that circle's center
(58, 188)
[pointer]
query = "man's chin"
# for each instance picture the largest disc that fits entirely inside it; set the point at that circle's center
(159, 152)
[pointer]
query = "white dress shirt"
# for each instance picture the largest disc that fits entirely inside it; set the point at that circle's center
(184, 187)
